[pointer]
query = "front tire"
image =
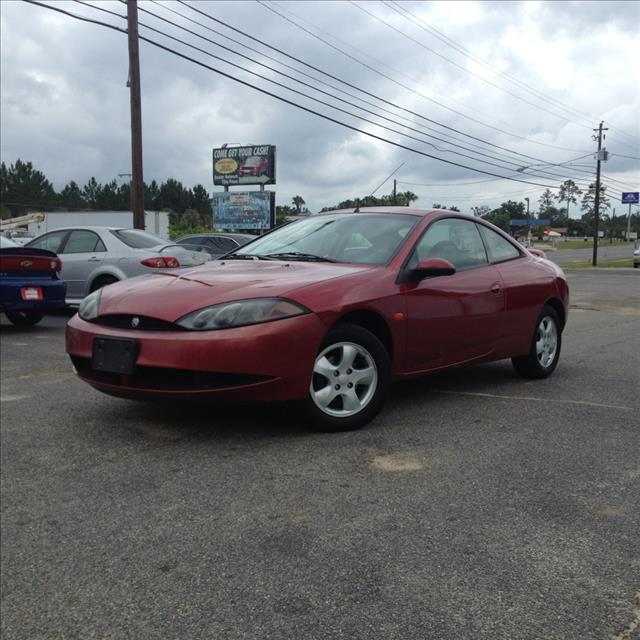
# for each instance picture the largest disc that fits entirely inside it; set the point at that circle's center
(24, 318)
(543, 356)
(350, 380)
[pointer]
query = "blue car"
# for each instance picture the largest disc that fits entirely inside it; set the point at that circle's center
(30, 283)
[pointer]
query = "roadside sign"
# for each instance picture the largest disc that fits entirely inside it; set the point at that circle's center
(631, 197)
(255, 164)
(243, 210)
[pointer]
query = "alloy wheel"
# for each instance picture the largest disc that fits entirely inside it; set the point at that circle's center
(344, 380)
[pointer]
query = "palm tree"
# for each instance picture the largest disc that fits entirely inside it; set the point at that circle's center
(297, 203)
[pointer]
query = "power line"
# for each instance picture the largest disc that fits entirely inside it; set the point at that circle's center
(541, 172)
(408, 88)
(203, 13)
(455, 64)
(324, 116)
(466, 52)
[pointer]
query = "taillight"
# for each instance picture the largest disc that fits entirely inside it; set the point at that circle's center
(56, 265)
(161, 262)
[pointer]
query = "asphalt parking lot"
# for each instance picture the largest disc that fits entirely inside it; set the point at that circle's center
(477, 505)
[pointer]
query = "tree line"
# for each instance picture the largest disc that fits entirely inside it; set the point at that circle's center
(24, 189)
(556, 207)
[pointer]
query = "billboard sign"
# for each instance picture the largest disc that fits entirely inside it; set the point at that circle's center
(630, 197)
(255, 164)
(243, 210)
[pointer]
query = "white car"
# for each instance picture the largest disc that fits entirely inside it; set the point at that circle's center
(636, 258)
(19, 236)
(93, 257)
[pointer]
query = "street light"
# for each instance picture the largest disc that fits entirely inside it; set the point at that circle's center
(528, 223)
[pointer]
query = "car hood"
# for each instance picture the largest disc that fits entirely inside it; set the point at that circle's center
(170, 295)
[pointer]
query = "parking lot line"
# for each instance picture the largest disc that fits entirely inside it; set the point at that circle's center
(531, 398)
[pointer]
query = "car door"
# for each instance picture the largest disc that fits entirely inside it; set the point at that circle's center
(82, 254)
(457, 318)
(524, 289)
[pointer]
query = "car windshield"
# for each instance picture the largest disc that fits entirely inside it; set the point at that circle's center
(251, 162)
(137, 239)
(359, 238)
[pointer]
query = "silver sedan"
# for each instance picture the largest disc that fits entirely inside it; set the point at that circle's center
(93, 257)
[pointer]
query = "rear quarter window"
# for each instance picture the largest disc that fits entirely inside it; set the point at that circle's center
(499, 248)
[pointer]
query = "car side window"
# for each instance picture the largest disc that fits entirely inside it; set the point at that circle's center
(452, 239)
(83, 241)
(191, 240)
(222, 244)
(499, 248)
(50, 241)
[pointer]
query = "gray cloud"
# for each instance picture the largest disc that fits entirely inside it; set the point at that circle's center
(65, 105)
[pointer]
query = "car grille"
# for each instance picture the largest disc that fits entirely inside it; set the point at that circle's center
(164, 378)
(143, 323)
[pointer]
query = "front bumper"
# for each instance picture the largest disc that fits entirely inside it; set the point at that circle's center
(264, 362)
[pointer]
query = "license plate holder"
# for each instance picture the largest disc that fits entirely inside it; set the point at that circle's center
(31, 293)
(114, 355)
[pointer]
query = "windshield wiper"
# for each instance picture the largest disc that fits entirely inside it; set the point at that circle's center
(243, 256)
(297, 255)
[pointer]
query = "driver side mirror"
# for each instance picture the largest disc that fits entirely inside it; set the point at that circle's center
(433, 267)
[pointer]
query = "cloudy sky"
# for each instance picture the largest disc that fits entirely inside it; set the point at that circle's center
(492, 86)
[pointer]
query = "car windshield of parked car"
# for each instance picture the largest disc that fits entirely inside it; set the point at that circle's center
(359, 238)
(137, 239)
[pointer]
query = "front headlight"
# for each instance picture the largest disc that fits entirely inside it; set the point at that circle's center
(240, 313)
(89, 306)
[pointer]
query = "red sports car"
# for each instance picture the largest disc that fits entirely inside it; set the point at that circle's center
(254, 166)
(328, 311)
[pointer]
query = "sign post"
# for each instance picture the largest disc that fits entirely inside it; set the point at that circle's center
(630, 197)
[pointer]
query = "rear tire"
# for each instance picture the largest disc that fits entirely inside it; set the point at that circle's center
(543, 356)
(350, 380)
(24, 318)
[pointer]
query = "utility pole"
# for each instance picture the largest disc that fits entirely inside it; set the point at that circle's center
(137, 184)
(528, 224)
(395, 183)
(596, 206)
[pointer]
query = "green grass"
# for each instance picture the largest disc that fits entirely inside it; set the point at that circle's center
(618, 262)
(581, 244)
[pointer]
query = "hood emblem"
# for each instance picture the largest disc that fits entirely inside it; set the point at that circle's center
(135, 322)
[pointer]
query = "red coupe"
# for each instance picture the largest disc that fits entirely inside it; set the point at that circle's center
(328, 311)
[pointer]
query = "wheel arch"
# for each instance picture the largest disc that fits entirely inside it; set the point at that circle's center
(558, 307)
(113, 275)
(373, 322)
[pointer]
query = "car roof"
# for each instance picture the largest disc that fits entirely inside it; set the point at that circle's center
(87, 227)
(423, 213)
(217, 235)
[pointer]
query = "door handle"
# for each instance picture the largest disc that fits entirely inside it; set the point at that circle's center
(495, 287)
(93, 259)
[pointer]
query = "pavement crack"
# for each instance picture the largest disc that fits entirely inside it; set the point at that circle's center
(625, 634)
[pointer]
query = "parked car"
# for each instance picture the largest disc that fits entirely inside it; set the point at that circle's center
(636, 258)
(93, 257)
(30, 283)
(215, 244)
(19, 236)
(328, 311)
(254, 166)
